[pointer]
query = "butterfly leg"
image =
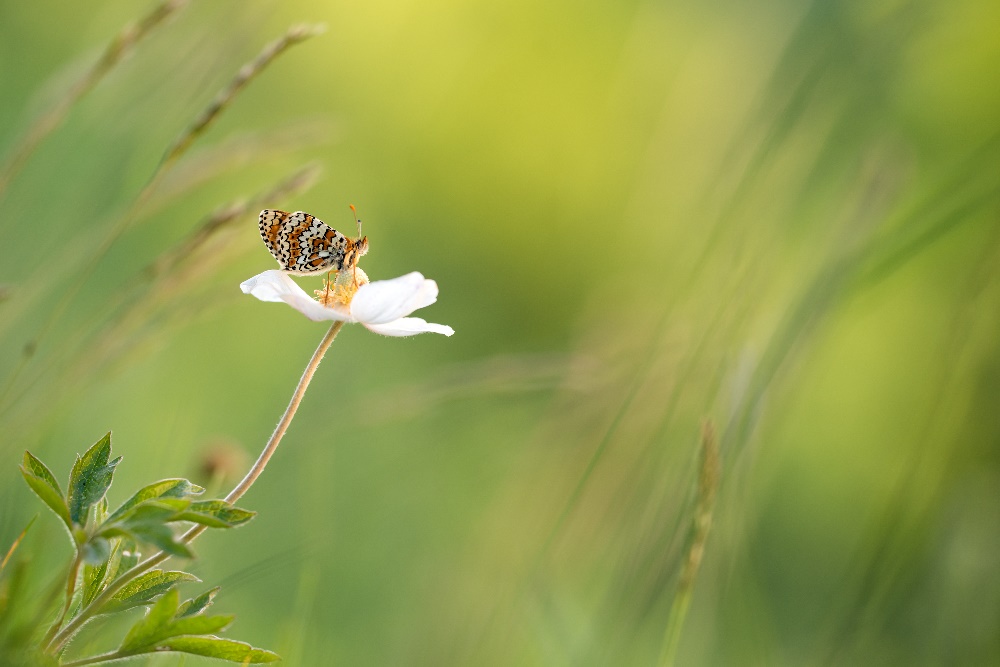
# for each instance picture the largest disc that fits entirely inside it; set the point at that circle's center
(326, 295)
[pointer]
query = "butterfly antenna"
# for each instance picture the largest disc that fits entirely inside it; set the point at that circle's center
(354, 269)
(356, 218)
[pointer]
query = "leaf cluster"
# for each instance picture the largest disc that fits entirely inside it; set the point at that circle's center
(106, 576)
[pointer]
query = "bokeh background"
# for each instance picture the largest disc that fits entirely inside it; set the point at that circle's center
(782, 218)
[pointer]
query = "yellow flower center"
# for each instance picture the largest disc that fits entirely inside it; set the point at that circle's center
(341, 290)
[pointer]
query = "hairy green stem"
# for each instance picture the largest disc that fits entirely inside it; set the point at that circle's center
(88, 612)
(104, 657)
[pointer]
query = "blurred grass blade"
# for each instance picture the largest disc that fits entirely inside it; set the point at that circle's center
(708, 483)
(294, 35)
(247, 73)
(234, 152)
(119, 47)
(16, 543)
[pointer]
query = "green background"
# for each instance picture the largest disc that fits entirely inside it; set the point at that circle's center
(781, 217)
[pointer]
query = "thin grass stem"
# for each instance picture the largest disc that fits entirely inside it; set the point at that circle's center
(248, 72)
(120, 46)
(708, 483)
(16, 544)
(294, 35)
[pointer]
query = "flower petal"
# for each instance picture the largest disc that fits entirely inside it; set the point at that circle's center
(276, 286)
(384, 301)
(409, 326)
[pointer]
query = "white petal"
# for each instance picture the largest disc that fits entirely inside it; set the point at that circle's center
(276, 286)
(387, 300)
(409, 326)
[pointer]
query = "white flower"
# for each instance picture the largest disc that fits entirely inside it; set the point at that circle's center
(382, 306)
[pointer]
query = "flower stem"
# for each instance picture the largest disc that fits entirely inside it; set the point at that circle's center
(56, 643)
(286, 419)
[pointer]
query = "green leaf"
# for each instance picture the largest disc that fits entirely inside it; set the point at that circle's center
(198, 625)
(147, 630)
(44, 484)
(130, 557)
(216, 514)
(101, 511)
(90, 479)
(159, 535)
(197, 605)
(167, 488)
(162, 623)
(217, 647)
(95, 550)
(95, 578)
(148, 522)
(144, 588)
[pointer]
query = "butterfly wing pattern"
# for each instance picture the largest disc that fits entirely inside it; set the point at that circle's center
(305, 245)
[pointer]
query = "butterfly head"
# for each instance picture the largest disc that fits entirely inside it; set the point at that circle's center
(361, 245)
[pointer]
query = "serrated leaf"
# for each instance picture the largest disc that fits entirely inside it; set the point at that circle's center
(167, 488)
(148, 628)
(90, 479)
(218, 514)
(145, 587)
(217, 647)
(44, 484)
(199, 604)
(144, 637)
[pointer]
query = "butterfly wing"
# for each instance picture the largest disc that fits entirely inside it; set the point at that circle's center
(271, 223)
(302, 244)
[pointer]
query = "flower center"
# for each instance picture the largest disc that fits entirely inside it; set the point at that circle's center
(341, 290)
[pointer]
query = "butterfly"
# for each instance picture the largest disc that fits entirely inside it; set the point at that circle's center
(306, 246)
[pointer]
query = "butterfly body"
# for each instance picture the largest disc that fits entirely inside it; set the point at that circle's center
(305, 245)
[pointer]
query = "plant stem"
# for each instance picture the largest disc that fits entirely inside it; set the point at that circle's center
(708, 482)
(56, 643)
(104, 657)
(74, 571)
(286, 419)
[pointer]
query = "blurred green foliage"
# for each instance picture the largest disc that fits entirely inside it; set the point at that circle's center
(779, 216)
